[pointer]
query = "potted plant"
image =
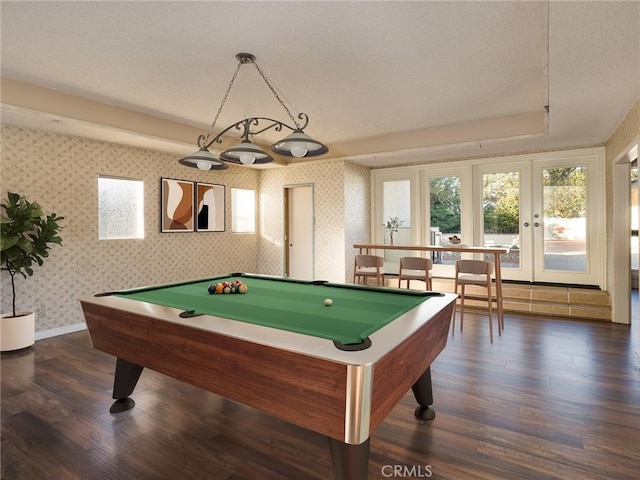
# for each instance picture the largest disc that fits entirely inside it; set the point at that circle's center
(391, 226)
(26, 237)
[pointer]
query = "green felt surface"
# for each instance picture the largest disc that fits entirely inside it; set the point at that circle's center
(291, 305)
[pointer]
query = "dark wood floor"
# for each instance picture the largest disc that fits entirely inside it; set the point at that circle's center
(551, 398)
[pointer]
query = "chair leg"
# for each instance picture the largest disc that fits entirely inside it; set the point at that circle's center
(455, 308)
(499, 323)
(462, 307)
(490, 302)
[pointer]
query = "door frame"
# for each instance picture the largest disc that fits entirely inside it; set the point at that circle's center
(378, 176)
(596, 224)
(285, 234)
(532, 240)
(620, 289)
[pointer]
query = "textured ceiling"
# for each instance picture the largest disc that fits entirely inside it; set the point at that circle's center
(383, 82)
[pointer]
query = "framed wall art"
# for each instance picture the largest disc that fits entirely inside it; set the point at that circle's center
(210, 203)
(177, 205)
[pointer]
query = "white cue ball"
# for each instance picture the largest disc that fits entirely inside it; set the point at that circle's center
(328, 302)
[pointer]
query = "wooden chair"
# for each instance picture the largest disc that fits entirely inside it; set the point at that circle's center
(478, 273)
(368, 266)
(415, 268)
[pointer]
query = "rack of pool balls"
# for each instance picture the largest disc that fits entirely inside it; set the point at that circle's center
(228, 287)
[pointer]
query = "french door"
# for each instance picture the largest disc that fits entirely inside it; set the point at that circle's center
(548, 212)
(547, 209)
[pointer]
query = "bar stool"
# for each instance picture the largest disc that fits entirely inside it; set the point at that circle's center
(474, 272)
(367, 266)
(415, 268)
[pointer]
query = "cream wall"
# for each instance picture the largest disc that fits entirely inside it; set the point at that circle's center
(357, 208)
(624, 134)
(61, 173)
(341, 203)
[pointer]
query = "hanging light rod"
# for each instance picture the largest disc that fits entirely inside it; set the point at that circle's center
(297, 144)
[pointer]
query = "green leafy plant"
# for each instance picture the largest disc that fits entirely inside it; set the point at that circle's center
(26, 237)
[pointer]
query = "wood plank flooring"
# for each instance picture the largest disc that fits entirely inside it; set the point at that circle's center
(550, 399)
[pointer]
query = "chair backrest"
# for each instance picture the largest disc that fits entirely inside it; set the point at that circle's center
(416, 263)
(369, 261)
(474, 267)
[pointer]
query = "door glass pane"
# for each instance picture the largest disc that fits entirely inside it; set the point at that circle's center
(445, 216)
(565, 218)
(396, 214)
(501, 215)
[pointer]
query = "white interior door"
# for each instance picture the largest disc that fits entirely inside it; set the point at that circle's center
(299, 232)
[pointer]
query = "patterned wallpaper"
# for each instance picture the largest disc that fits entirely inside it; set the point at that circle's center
(626, 132)
(357, 208)
(341, 202)
(61, 173)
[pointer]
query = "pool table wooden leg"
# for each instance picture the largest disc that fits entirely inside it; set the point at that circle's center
(424, 396)
(350, 462)
(126, 378)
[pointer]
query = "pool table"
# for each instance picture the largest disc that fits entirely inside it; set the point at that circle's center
(337, 370)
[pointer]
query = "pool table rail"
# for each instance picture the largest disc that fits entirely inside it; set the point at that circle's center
(314, 389)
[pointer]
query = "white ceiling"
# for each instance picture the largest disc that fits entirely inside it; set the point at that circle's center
(383, 83)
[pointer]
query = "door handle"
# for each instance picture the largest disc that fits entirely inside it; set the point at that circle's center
(536, 224)
(526, 224)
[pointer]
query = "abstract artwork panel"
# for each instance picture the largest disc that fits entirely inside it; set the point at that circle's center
(177, 205)
(210, 212)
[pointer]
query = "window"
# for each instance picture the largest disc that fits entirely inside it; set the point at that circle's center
(546, 208)
(397, 206)
(445, 215)
(120, 208)
(243, 210)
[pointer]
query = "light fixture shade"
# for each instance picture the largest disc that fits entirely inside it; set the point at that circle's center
(299, 144)
(203, 159)
(246, 153)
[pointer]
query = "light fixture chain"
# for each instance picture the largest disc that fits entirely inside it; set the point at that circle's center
(224, 100)
(273, 90)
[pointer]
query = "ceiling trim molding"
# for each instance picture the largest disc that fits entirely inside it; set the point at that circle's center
(518, 126)
(53, 102)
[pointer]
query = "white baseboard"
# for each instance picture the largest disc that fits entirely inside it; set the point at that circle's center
(54, 332)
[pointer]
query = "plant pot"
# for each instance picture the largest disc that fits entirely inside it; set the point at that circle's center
(17, 332)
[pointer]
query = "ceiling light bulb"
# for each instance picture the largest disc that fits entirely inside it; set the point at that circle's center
(247, 158)
(298, 149)
(203, 165)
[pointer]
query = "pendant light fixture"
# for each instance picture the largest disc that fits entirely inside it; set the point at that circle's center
(297, 144)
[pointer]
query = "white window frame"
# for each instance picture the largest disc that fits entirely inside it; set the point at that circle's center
(419, 175)
(138, 218)
(236, 214)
